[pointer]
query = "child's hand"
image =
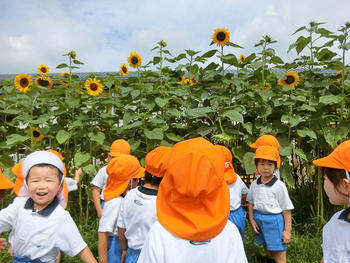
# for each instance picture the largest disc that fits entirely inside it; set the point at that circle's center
(122, 260)
(3, 243)
(255, 226)
(286, 236)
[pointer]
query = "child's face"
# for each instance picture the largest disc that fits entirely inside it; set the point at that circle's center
(337, 195)
(43, 184)
(265, 167)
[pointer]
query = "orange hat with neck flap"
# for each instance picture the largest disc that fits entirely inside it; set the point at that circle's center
(230, 174)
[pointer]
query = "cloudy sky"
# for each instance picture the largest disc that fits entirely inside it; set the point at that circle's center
(103, 33)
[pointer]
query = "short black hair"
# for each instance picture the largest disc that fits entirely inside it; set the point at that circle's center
(59, 173)
(151, 179)
(258, 159)
(336, 176)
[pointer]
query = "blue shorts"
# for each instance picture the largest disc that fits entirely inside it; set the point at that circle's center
(271, 227)
(238, 218)
(132, 255)
(102, 203)
(21, 259)
(114, 249)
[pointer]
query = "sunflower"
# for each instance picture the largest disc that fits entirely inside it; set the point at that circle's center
(182, 80)
(339, 74)
(72, 54)
(134, 60)
(93, 87)
(221, 36)
(36, 134)
(241, 58)
(23, 82)
(124, 70)
(292, 79)
(43, 69)
(115, 87)
(267, 86)
(44, 82)
(66, 76)
(193, 81)
(163, 43)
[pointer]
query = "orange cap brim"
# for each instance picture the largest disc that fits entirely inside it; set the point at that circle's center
(327, 161)
(253, 146)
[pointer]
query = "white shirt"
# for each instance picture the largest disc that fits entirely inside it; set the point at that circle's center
(100, 180)
(271, 197)
(336, 239)
(71, 184)
(110, 213)
(163, 247)
(40, 235)
(237, 189)
(137, 214)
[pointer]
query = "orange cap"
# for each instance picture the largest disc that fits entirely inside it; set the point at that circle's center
(4, 182)
(193, 201)
(119, 146)
(268, 153)
(17, 170)
(230, 174)
(266, 139)
(121, 169)
(338, 159)
(156, 160)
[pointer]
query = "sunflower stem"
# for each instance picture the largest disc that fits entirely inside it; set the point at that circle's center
(222, 65)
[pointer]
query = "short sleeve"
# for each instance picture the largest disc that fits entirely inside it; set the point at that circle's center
(71, 183)
(69, 239)
(121, 219)
(250, 196)
(100, 178)
(110, 213)
(244, 188)
(8, 215)
(284, 200)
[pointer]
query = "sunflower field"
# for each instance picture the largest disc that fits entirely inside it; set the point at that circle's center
(222, 94)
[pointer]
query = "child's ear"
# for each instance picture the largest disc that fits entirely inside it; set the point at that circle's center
(347, 185)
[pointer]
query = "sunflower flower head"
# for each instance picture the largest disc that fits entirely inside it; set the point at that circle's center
(93, 87)
(23, 82)
(192, 81)
(241, 58)
(124, 70)
(292, 80)
(134, 60)
(65, 75)
(44, 82)
(43, 69)
(36, 134)
(72, 54)
(182, 80)
(163, 43)
(221, 36)
(339, 74)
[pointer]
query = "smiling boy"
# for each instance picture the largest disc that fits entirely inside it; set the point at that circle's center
(39, 226)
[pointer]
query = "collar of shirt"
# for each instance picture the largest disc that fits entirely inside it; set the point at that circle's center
(46, 211)
(147, 191)
(344, 215)
(270, 183)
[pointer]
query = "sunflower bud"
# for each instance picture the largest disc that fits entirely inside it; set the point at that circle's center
(72, 54)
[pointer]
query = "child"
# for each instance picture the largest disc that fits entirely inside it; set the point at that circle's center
(121, 169)
(269, 206)
(138, 211)
(40, 226)
(238, 192)
(268, 140)
(5, 184)
(193, 206)
(336, 232)
(100, 179)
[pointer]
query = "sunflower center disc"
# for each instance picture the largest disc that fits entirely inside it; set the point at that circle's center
(36, 134)
(44, 83)
(290, 80)
(93, 87)
(134, 60)
(24, 82)
(43, 70)
(221, 36)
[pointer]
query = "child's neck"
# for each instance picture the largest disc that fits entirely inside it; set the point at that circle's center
(266, 179)
(150, 186)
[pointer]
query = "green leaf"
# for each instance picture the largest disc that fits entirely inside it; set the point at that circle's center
(99, 137)
(299, 29)
(300, 153)
(81, 158)
(161, 102)
(132, 125)
(307, 107)
(191, 53)
(90, 170)
(335, 135)
(209, 54)
(307, 132)
(174, 137)
(62, 136)
(233, 45)
(347, 82)
(42, 118)
(330, 99)
(156, 60)
(286, 150)
(135, 93)
(14, 139)
(211, 66)
(286, 172)
(198, 112)
(248, 163)
(174, 112)
(75, 61)
(62, 66)
(301, 43)
(204, 130)
(233, 115)
(249, 127)
(276, 60)
(74, 103)
(155, 134)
